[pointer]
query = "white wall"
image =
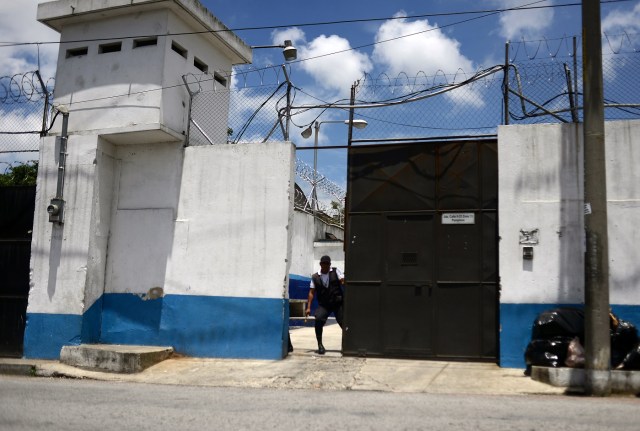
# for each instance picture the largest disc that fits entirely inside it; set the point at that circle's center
(302, 236)
(306, 251)
(333, 249)
(146, 184)
(541, 186)
(91, 81)
(141, 88)
(100, 221)
(59, 252)
(232, 233)
(623, 210)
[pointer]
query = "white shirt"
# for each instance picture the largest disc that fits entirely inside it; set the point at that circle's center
(325, 278)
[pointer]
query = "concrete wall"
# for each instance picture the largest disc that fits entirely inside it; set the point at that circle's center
(306, 251)
(305, 245)
(232, 231)
(623, 195)
(302, 236)
(92, 80)
(541, 188)
(60, 256)
(161, 244)
(164, 245)
(204, 268)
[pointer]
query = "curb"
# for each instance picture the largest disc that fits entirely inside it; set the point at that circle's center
(18, 369)
(622, 382)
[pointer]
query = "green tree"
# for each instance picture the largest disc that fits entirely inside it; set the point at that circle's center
(338, 211)
(22, 174)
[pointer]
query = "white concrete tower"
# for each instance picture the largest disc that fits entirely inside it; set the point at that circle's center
(159, 244)
(121, 61)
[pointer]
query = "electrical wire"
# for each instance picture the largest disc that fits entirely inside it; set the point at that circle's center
(496, 11)
(322, 23)
(415, 96)
(255, 113)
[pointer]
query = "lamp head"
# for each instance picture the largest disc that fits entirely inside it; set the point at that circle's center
(306, 132)
(289, 51)
(358, 123)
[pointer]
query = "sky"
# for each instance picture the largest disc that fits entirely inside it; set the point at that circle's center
(442, 38)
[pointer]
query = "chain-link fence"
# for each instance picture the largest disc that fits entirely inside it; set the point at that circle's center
(545, 80)
(543, 85)
(24, 108)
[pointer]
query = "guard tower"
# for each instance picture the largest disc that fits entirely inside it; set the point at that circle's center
(120, 63)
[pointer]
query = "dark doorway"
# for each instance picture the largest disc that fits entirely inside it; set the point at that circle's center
(17, 204)
(421, 250)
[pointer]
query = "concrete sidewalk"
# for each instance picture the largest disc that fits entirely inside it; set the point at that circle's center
(304, 369)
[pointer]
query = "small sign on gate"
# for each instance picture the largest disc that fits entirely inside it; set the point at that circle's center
(458, 218)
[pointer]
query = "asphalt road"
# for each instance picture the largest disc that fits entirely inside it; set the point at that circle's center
(62, 404)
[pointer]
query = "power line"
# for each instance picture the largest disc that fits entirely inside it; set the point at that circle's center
(493, 12)
(338, 52)
(322, 23)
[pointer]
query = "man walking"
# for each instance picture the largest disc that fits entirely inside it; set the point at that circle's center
(327, 285)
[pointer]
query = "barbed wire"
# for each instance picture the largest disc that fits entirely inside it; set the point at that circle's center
(307, 173)
(252, 104)
(628, 40)
(564, 47)
(24, 111)
(248, 75)
(23, 87)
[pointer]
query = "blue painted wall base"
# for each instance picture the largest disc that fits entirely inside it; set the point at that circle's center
(206, 326)
(201, 326)
(516, 323)
(45, 334)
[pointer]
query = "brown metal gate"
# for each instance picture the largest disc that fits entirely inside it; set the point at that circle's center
(17, 204)
(421, 250)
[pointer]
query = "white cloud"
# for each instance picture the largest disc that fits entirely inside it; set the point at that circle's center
(18, 24)
(332, 73)
(621, 20)
(615, 24)
(428, 50)
(294, 34)
(529, 23)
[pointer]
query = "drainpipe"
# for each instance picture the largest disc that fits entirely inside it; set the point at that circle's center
(56, 206)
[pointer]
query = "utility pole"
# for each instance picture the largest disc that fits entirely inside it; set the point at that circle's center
(596, 293)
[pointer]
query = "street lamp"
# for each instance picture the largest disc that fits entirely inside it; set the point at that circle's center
(357, 123)
(289, 51)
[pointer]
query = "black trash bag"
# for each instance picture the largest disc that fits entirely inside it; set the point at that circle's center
(632, 360)
(554, 329)
(547, 353)
(559, 322)
(624, 338)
